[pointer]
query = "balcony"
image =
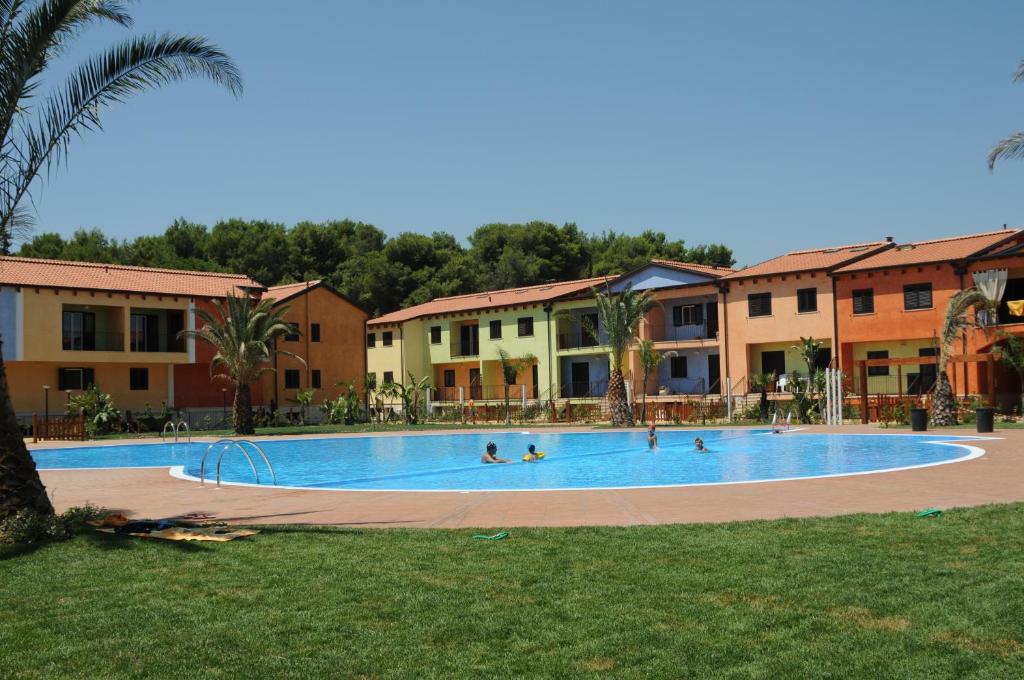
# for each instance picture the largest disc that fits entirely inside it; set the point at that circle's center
(579, 339)
(96, 341)
(683, 333)
(156, 330)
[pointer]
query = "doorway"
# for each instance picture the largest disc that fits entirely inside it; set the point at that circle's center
(580, 379)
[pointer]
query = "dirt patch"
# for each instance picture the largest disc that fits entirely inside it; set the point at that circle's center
(860, 617)
(1001, 647)
(597, 664)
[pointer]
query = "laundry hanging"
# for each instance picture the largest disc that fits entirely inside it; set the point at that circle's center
(992, 284)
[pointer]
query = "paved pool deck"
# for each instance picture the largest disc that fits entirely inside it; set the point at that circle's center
(996, 477)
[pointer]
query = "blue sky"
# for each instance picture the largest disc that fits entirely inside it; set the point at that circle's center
(766, 126)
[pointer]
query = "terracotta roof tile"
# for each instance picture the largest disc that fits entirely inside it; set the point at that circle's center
(23, 271)
(287, 290)
(936, 250)
(490, 299)
(809, 260)
(693, 267)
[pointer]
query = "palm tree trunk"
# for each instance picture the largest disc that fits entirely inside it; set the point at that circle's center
(508, 412)
(622, 414)
(764, 404)
(242, 410)
(20, 486)
(943, 402)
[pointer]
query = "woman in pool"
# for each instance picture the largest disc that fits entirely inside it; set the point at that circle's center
(698, 446)
(652, 436)
(491, 455)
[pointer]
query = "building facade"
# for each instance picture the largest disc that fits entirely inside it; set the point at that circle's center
(66, 325)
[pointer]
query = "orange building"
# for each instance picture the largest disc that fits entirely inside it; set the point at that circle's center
(66, 325)
(892, 306)
(330, 336)
(769, 306)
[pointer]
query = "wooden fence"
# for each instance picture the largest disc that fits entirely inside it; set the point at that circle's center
(66, 428)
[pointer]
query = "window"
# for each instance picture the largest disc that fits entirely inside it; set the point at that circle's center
(449, 378)
(807, 300)
(385, 338)
(878, 370)
(371, 339)
(496, 330)
(314, 378)
(291, 378)
(759, 304)
(435, 335)
(678, 367)
(389, 377)
(138, 378)
(75, 378)
(917, 296)
(525, 326)
(293, 336)
(145, 331)
(687, 315)
(864, 301)
(314, 332)
(79, 330)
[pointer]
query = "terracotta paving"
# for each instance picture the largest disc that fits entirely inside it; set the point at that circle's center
(996, 477)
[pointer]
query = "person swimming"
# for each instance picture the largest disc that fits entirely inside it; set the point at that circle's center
(531, 454)
(698, 445)
(491, 455)
(652, 436)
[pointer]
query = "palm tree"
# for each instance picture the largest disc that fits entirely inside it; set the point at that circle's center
(243, 333)
(36, 133)
(943, 403)
(650, 359)
(620, 314)
(511, 367)
(1012, 146)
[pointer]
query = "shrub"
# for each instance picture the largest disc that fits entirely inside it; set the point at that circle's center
(98, 408)
(27, 527)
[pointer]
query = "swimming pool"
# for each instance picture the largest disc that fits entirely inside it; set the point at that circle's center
(578, 460)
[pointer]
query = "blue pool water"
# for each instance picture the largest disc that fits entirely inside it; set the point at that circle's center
(573, 460)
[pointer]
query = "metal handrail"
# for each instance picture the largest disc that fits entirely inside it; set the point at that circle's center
(188, 430)
(174, 430)
(227, 444)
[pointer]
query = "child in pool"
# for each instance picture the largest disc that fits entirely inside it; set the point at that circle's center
(652, 436)
(531, 454)
(698, 445)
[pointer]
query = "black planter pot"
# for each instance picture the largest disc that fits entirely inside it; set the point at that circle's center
(918, 419)
(985, 418)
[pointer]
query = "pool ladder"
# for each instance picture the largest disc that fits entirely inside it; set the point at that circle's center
(170, 427)
(228, 445)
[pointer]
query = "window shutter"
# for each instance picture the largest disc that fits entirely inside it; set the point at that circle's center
(677, 315)
(698, 314)
(62, 381)
(88, 377)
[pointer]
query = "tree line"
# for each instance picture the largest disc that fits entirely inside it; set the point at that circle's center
(378, 272)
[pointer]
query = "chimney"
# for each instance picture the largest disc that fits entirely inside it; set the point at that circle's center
(888, 239)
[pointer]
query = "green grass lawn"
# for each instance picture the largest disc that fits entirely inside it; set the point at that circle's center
(858, 596)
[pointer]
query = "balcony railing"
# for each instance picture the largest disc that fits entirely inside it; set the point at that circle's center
(169, 344)
(100, 341)
(464, 349)
(577, 340)
(584, 390)
(695, 331)
(481, 393)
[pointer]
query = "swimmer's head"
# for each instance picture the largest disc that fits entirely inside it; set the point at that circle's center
(492, 447)
(531, 448)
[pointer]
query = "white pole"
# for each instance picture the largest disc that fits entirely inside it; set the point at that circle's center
(728, 397)
(829, 412)
(523, 388)
(426, 400)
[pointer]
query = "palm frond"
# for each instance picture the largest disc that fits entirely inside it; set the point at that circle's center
(1011, 147)
(956, 320)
